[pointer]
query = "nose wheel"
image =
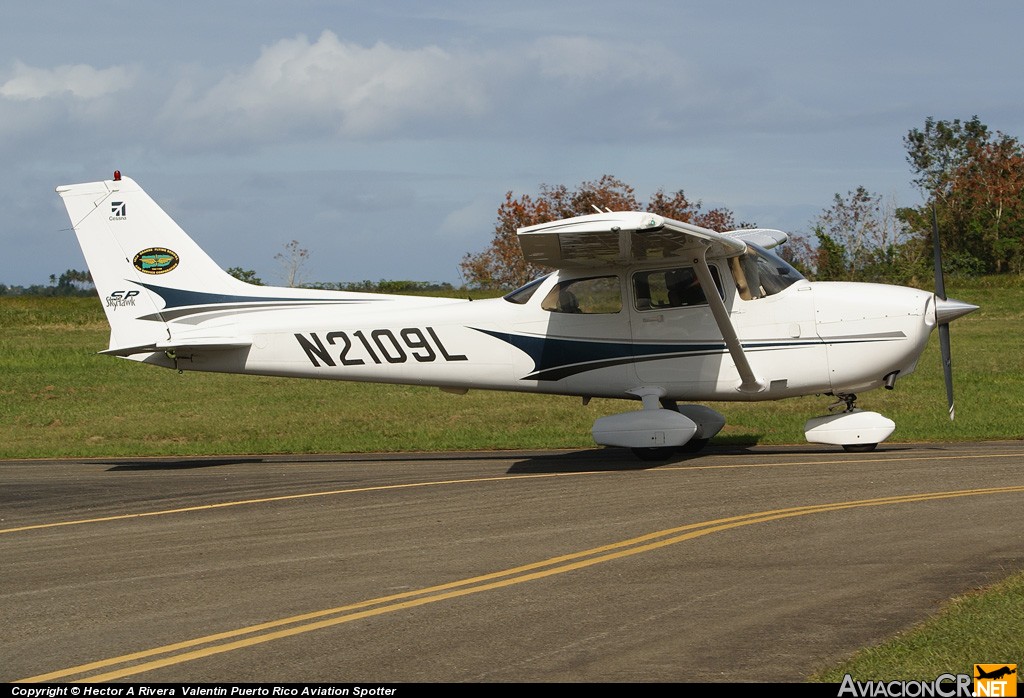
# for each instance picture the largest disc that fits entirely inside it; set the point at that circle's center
(655, 453)
(859, 448)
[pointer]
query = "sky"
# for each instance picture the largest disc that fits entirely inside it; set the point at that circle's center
(383, 136)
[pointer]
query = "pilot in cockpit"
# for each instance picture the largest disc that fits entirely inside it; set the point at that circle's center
(684, 288)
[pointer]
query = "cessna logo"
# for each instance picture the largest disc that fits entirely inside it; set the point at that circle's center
(118, 210)
(155, 260)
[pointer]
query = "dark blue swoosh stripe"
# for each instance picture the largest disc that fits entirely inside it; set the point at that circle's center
(177, 297)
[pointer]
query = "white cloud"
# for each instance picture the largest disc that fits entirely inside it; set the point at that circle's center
(554, 87)
(335, 87)
(79, 81)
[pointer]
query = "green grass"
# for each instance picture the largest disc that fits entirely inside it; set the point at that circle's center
(976, 628)
(58, 398)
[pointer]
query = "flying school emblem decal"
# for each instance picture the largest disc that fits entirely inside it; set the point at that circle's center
(155, 260)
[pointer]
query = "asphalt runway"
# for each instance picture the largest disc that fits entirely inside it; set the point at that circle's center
(759, 564)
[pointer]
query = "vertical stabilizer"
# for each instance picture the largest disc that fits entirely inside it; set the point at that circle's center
(133, 247)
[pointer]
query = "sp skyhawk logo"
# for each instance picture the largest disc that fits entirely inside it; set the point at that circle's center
(118, 211)
(156, 260)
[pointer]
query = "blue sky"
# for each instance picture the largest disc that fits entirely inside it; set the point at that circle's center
(383, 136)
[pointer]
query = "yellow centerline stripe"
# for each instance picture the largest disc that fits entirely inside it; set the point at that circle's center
(558, 565)
(497, 478)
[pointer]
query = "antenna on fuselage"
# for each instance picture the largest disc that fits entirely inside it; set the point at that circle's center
(462, 280)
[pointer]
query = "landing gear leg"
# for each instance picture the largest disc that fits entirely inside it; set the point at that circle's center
(850, 400)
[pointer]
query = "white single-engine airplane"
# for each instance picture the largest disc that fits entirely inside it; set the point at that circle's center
(640, 307)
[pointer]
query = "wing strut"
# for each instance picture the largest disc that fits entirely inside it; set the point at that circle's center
(750, 383)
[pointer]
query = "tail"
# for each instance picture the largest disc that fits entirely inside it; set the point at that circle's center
(142, 263)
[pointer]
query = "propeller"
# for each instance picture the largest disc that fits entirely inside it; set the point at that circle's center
(946, 310)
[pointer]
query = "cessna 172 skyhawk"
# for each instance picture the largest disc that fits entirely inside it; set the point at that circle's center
(639, 307)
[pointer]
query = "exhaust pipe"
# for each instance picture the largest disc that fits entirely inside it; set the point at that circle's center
(890, 380)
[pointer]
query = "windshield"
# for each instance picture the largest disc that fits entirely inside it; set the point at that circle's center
(524, 293)
(760, 273)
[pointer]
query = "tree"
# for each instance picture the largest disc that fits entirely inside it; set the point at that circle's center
(829, 260)
(246, 275)
(71, 283)
(292, 260)
(990, 184)
(678, 207)
(939, 150)
(860, 238)
(502, 264)
(974, 179)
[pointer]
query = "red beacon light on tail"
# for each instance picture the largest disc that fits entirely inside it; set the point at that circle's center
(117, 175)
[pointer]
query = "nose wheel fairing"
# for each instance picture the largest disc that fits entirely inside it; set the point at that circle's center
(854, 429)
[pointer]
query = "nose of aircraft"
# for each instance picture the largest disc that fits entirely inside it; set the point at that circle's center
(949, 309)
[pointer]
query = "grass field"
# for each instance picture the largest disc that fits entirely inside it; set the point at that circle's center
(58, 398)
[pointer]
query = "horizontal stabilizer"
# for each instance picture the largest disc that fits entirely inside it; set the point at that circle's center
(197, 344)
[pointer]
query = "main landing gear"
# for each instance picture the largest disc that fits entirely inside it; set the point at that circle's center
(661, 429)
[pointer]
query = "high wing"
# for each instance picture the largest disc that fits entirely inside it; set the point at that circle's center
(765, 237)
(620, 238)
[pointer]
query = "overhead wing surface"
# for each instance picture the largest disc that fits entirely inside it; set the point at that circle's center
(765, 237)
(623, 237)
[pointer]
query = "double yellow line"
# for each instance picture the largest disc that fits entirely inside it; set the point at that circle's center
(209, 645)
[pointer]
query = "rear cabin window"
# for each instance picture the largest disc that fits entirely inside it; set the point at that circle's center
(598, 294)
(670, 288)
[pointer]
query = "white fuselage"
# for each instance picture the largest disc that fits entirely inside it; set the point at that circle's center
(808, 338)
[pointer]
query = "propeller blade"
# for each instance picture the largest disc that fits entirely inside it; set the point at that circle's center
(940, 295)
(947, 367)
(940, 284)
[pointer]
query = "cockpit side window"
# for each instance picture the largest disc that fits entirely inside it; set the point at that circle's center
(598, 294)
(670, 288)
